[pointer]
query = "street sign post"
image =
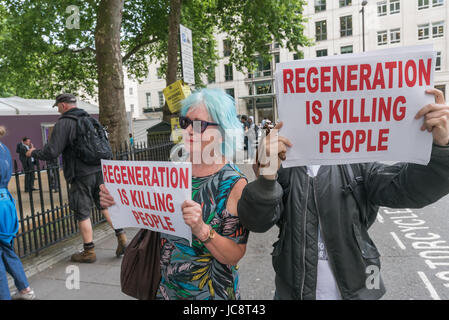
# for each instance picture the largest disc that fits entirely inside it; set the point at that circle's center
(174, 94)
(188, 72)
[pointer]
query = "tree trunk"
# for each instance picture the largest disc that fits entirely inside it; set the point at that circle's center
(173, 48)
(111, 97)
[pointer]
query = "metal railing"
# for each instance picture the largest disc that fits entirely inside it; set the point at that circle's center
(45, 217)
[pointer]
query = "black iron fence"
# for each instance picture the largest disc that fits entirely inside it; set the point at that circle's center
(45, 217)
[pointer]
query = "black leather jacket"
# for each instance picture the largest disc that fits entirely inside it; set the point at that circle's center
(344, 224)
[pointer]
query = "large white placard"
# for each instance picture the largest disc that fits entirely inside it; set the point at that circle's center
(149, 195)
(188, 71)
(356, 108)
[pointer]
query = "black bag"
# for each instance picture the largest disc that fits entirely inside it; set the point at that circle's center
(140, 274)
(91, 143)
(368, 210)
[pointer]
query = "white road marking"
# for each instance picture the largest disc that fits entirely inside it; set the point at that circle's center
(398, 241)
(380, 218)
(429, 286)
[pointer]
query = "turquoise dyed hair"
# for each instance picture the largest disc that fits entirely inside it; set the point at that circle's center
(221, 109)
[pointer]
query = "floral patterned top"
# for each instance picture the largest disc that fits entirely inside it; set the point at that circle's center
(191, 272)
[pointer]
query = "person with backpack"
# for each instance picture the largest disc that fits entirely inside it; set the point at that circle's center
(324, 251)
(83, 143)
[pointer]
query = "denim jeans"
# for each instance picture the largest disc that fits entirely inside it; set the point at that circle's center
(10, 262)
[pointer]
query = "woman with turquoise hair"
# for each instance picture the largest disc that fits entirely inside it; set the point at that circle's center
(207, 269)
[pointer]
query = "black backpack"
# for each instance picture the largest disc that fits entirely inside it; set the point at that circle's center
(368, 210)
(91, 143)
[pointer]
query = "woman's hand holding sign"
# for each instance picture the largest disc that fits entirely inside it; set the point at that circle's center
(436, 118)
(193, 217)
(106, 200)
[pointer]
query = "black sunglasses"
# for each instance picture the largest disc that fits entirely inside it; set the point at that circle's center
(185, 122)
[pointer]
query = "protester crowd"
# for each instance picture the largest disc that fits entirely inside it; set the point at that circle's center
(252, 134)
(323, 249)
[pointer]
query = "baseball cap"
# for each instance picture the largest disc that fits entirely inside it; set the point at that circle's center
(64, 97)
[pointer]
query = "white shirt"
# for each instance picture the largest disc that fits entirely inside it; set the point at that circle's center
(326, 286)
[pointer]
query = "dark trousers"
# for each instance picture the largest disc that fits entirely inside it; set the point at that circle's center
(52, 175)
(29, 177)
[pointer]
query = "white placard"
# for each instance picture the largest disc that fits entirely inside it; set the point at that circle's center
(188, 71)
(356, 108)
(149, 195)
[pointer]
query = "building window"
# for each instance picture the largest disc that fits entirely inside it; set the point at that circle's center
(438, 29)
(423, 31)
(226, 48)
(228, 72)
(423, 4)
(263, 87)
(395, 35)
(321, 53)
(437, 3)
(320, 5)
(130, 91)
(382, 38)
(276, 45)
(395, 6)
(382, 8)
(161, 98)
(346, 49)
(250, 90)
(277, 58)
(263, 68)
(158, 72)
(298, 56)
(321, 30)
(438, 62)
(345, 3)
(346, 26)
(148, 94)
(230, 92)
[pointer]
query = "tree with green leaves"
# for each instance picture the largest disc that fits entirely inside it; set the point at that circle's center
(50, 46)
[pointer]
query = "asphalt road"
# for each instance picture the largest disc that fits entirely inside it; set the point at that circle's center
(414, 244)
(256, 270)
(414, 248)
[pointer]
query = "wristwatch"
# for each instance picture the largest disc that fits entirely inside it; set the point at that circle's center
(210, 236)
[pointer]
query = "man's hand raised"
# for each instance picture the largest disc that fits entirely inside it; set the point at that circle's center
(272, 152)
(436, 118)
(28, 153)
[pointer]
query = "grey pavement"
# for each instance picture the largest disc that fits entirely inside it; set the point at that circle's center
(101, 280)
(97, 281)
